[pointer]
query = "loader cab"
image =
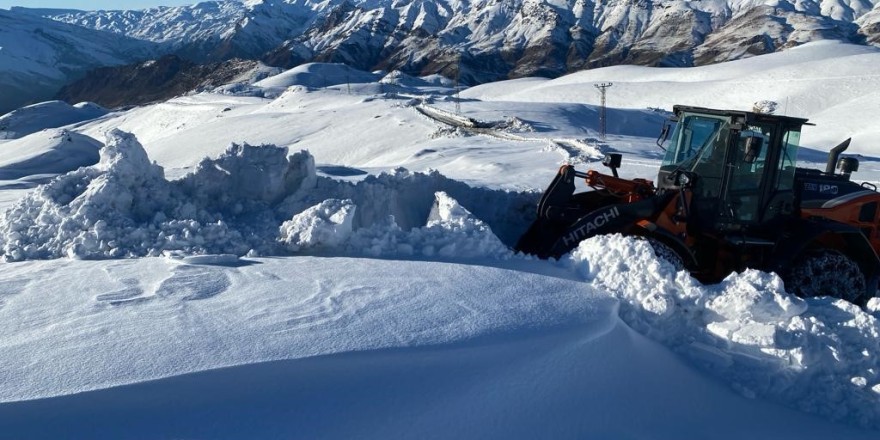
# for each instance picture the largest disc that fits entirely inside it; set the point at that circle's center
(738, 166)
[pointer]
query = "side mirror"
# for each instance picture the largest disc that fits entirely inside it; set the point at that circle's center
(752, 148)
(664, 134)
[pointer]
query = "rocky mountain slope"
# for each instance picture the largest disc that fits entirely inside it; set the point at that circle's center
(476, 41)
(156, 80)
(484, 40)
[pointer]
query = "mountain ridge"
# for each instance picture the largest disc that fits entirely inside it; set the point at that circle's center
(478, 41)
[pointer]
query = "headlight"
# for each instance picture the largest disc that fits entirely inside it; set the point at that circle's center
(682, 179)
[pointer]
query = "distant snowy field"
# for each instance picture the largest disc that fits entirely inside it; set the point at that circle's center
(317, 256)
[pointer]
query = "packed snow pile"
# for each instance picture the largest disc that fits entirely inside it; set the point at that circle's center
(451, 231)
(820, 355)
(253, 200)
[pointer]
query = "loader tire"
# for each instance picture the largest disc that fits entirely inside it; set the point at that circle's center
(665, 252)
(826, 273)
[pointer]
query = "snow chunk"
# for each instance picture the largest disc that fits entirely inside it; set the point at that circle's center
(246, 176)
(755, 296)
(326, 224)
(80, 214)
(629, 268)
(453, 231)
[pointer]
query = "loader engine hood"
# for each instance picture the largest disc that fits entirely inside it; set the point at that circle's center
(814, 189)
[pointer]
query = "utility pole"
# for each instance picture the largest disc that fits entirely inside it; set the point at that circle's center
(602, 119)
(457, 79)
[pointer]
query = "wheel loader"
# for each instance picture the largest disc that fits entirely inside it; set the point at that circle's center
(728, 196)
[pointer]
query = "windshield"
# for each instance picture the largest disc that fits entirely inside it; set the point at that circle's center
(696, 138)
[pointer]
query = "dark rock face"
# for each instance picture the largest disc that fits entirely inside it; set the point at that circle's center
(151, 81)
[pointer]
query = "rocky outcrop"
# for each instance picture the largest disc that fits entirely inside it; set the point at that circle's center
(152, 81)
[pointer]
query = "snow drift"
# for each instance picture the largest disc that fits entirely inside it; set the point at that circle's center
(251, 200)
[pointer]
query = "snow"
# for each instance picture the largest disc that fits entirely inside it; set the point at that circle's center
(746, 329)
(333, 262)
(52, 151)
(51, 114)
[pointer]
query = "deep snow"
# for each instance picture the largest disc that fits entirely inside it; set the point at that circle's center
(265, 267)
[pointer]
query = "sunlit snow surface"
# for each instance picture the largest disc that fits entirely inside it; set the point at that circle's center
(275, 273)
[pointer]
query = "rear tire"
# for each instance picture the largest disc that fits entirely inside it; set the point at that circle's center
(826, 273)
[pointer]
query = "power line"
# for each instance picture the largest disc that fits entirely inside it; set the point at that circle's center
(603, 87)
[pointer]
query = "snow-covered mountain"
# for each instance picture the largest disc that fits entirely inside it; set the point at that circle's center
(488, 39)
(38, 56)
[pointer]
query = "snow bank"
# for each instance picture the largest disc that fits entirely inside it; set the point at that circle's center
(820, 355)
(89, 325)
(252, 200)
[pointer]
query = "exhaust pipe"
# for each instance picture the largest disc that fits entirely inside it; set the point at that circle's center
(834, 154)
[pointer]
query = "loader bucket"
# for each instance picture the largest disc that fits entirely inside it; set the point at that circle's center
(564, 219)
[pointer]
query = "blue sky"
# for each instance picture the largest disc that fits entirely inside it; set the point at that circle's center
(91, 5)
